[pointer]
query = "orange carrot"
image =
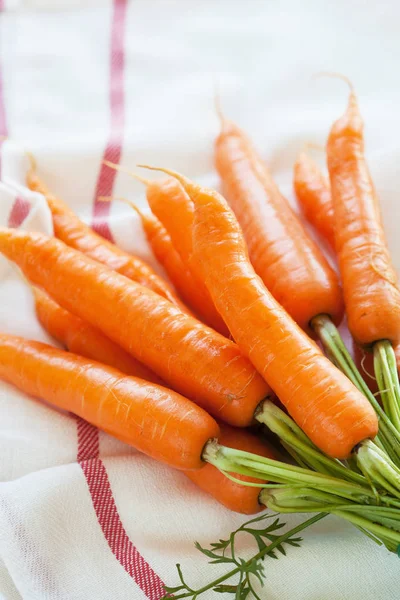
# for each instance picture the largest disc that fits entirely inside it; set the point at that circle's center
(323, 402)
(288, 261)
(83, 339)
(234, 496)
(153, 419)
(371, 293)
(73, 232)
(190, 357)
(314, 195)
(164, 251)
(172, 206)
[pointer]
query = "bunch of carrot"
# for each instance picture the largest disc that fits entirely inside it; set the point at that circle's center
(155, 366)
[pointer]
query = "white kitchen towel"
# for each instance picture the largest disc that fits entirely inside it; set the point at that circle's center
(83, 516)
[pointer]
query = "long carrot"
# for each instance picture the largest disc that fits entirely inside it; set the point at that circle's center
(190, 357)
(171, 205)
(81, 338)
(288, 261)
(156, 421)
(73, 232)
(314, 196)
(161, 423)
(370, 287)
(323, 402)
(233, 495)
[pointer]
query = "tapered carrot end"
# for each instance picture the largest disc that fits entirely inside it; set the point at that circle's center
(336, 76)
(31, 174)
(120, 199)
(219, 112)
(184, 181)
(351, 119)
(123, 169)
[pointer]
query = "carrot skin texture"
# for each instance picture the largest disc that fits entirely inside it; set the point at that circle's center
(314, 196)
(236, 497)
(322, 401)
(164, 251)
(282, 253)
(173, 207)
(156, 421)
(73, 232)
(370, 286)
(81, 338)
(190, 357)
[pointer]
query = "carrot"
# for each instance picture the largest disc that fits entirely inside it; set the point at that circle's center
(166, 254)
(153, 419)
(73, 232)
(322, 401)
(314, 196)
(282, 253)
(171, 205)
(190, 357)
(314, 193)
(234, 496)
(83, 339)
(372, 297)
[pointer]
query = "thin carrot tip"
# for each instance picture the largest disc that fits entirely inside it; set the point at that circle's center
(32, 161)
(335, 75)
(123, 169)
(119, 199)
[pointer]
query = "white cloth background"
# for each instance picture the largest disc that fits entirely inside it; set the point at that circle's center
(55, 74)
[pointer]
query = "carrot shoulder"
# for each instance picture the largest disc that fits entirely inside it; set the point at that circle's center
(73, 232)
(156, 421)
(81, 338)
(370, 286)
(314, 196)
(323, 402)
(236, 497)
(190, 357)
(282, 253)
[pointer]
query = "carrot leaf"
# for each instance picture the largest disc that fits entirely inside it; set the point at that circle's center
(246, 571)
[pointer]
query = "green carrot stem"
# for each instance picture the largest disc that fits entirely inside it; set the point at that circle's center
(238, 461)
(385, 368)
(376, 465)
(291, 434)
(383, 523)
(388, 437)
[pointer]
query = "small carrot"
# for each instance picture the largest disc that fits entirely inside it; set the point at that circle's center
(171, 205)
(314, 195)
(166, 254)
(282, 253)
(190, 357)
(73, 232)
(371, 292)
(231, 494)
(83, 339)
(323, 402)
(153, 419)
